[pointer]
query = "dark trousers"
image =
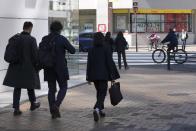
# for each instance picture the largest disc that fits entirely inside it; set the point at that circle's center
(183, 44)
(52, 99)
(124, 59)
(17, 95)
(101, 87)
(171, 47)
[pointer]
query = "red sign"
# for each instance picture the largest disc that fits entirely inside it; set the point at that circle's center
(101, 27)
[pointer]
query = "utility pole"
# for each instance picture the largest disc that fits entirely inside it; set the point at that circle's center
(135, 9)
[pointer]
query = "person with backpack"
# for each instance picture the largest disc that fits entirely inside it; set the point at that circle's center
(100, 69)
(52, 59)
(121, 45)
(184, 37)
(22, 55)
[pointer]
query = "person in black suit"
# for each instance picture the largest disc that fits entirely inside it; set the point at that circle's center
(121, 44)
(100, 69)
(59, 72)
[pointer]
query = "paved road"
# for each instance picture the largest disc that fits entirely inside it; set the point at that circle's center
(154, 100)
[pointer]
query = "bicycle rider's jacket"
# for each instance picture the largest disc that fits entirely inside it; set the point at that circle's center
(172, 38)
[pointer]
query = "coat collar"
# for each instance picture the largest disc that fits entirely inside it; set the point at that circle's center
(25, 33)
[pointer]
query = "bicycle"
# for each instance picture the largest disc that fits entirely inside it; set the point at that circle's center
(159, 55)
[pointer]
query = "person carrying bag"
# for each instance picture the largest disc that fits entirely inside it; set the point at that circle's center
(100, 69)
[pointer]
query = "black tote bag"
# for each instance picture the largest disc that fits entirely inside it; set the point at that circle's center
(115, 93)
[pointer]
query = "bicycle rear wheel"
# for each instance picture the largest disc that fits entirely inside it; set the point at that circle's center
(180, 56)
(158, 56)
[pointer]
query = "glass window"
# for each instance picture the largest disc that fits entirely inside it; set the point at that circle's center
(141, 27)
(161, 22)
(153, 18)
(120, 23)
(140, 18)
(153, 27)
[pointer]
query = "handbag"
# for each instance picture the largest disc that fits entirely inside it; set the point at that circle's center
(115, 93)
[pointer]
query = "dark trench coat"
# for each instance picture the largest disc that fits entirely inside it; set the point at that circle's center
(100, 65)
(24, 74)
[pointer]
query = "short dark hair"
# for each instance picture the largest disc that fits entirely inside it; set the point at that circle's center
(56, 26)
(27, 25)
(98, 39)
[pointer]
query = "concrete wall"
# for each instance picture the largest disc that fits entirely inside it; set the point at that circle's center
(12, 16)
(87, 4)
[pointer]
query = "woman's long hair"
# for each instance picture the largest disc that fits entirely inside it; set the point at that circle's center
(98, 39)
(107, 36)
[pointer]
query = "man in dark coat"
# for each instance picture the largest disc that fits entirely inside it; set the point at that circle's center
(172, 38)
(59, 72)
(24, 74)
(100, 69)
(121, 44)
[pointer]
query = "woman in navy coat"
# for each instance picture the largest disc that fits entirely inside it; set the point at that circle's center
(100, 69)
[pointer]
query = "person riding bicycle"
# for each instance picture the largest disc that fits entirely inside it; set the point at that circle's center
(172, 38)
(154, 39)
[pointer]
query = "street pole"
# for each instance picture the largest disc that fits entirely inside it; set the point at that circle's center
(136, 41)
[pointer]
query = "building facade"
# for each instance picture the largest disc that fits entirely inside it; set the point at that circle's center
(153, 16)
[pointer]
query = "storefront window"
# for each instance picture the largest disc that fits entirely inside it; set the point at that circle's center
(141, 23)
(161, 22)
(120, 23)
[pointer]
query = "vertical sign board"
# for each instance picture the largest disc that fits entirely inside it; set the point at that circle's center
(102, 15)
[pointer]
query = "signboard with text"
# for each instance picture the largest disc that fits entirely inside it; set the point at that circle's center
(102, 28)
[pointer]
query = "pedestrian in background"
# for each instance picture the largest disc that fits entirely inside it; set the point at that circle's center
(121, 45)
(59, 72)
(109, 42)
(100, 69)
(23, 73)
(184, 37)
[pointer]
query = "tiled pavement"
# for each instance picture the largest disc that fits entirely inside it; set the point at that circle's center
(154, 100)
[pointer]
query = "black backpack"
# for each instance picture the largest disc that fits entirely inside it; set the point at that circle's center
(13, 53)
(47, 52)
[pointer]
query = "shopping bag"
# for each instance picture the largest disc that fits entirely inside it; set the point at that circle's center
(115, 93)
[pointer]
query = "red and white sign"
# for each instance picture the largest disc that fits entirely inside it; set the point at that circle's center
(102, 28)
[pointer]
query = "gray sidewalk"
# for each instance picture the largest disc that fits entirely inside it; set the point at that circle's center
(6, 93)
(154, 100)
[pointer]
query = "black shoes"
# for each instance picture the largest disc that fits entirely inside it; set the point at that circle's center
(34, 106)
(96, 115)
(102, 114)
(55, 112)
(17, 112)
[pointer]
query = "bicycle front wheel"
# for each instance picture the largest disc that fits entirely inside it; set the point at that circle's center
(158, 56)
(180, 56)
